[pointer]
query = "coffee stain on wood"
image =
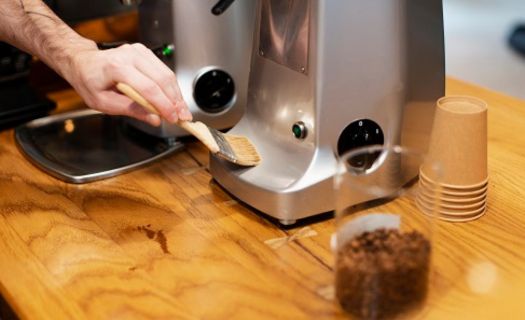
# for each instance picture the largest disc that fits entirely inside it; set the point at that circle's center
(156, 235)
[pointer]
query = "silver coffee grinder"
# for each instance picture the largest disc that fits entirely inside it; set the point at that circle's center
(211, 42)
(328, 76)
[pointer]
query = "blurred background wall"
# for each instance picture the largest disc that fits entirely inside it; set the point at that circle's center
(476, 35)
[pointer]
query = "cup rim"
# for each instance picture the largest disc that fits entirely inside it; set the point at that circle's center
(456, 207)
(452, 213)
(457, 199)
(452, 206)
(483, 106)
(454, 187)
(462, 219)
(448, 192)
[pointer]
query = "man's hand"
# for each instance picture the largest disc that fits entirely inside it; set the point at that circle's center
(94, 74)
(33, 27)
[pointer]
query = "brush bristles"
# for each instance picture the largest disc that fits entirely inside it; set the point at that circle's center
(245, 152)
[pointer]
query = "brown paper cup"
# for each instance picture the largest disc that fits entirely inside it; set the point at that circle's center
(459, 141)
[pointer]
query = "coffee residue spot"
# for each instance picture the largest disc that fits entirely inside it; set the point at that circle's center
(132, 268)
(149, 233)
(158, 236)
(161, 239)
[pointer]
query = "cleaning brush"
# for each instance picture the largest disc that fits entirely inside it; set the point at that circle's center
(233, 148)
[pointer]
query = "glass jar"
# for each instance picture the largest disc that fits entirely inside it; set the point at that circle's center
(383, 239)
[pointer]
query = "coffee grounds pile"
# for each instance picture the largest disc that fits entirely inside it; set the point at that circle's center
(383, 273)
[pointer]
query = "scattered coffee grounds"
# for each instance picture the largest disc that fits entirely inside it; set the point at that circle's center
(383, 273)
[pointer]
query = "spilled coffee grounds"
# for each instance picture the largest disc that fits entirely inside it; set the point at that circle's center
(383, 273)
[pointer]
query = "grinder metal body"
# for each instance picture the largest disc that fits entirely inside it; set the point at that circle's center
(211, 56)
(328, 76)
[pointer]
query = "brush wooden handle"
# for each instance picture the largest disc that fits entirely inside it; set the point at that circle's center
(197, 129)
(138, 98)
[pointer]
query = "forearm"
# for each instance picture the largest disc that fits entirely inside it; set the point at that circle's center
(33, 27)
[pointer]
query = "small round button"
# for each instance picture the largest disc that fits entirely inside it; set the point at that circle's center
(299, 130)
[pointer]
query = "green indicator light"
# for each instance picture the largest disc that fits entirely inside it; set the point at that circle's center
(299, 130)
(296, 131)
(167, 51)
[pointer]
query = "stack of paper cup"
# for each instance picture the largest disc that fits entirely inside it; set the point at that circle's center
(458, 143)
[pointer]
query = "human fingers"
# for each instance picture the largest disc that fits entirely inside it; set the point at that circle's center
(148, 89)
(154, 68)
(111, 102)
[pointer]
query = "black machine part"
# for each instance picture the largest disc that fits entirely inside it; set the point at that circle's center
(18, 100)
(517, 39)
(221, 6)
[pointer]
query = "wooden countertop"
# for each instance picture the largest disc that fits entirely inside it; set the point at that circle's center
(166, 242)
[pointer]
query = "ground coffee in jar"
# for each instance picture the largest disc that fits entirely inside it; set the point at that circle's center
(383, 273)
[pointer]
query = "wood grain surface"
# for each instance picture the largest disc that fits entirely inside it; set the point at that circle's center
(166, 242)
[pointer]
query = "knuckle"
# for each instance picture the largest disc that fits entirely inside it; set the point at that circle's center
(150, 90)
(131, 49)
(139, 46)
(94, 102)
(113, 66)
(100, 102)
(166, 80)
(123, 48)
(86, 77)
(90, 102)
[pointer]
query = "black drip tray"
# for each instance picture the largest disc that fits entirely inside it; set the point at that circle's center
(84, 146)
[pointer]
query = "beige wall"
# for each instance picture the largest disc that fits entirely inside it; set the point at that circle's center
(476, 33)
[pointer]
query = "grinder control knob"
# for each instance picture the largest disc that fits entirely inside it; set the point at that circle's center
(214, 91)
(360, 133)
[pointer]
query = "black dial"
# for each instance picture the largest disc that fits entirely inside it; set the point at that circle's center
(214, 91)
(357, 134)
